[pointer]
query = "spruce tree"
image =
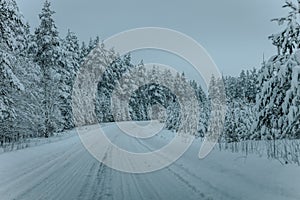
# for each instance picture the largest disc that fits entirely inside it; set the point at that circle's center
(277, 97)
(49, 57)
(13, 42)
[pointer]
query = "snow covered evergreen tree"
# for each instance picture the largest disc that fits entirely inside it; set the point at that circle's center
(20, 77)
(13, 42)
(288, 39)
(240, 93)
(50, 56)
(276, 101)
(110, 80)
(291, 103)
(71, 58)
(203, 105)
(217, 99)
(12, 27)
(83, 51)
(93, 69)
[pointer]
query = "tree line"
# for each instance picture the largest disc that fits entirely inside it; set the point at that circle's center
(38, 70)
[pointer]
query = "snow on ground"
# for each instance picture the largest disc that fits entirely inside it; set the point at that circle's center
(64, 170)
(32, 142)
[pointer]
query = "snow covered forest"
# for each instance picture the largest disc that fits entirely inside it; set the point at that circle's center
(38, 70)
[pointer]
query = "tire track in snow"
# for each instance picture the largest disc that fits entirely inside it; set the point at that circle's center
(103, 181)
(65, 185)
(48, 179)
(37, 173)
(192, 175)
(89, 180)
(144, 186)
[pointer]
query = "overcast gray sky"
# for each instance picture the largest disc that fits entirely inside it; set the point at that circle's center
(234, 32)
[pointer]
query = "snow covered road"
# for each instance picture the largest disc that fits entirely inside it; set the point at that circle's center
(64, 170)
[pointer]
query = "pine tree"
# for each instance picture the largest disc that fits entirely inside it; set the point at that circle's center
(291, 108)
(49, 57)
(217, 99)
(203, 106)
(288, 40)
(71, 66)
(12, 27)
(72, 49)
(83, 52)
(9, 84)
(268, 109)
(275, 104)
(93, 69)
(13, 42)
(252, 86)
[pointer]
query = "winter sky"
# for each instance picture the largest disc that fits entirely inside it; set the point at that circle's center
(234, 32)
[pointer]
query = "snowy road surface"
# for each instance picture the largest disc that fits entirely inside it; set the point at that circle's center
(64, 170)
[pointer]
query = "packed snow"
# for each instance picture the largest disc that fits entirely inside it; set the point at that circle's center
(65, 170)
